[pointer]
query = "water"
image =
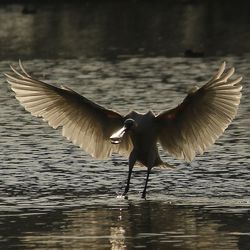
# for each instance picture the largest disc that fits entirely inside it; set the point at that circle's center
(54, 196)
(55, 29)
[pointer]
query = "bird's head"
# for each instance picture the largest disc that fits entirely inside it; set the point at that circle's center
(128, 125)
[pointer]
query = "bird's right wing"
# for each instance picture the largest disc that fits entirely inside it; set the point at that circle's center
(84, 122)
(201, 118)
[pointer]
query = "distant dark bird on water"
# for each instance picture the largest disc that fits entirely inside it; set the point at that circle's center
(184, 131)
(193, 54)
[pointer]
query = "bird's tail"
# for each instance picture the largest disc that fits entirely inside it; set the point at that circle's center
(166, 165)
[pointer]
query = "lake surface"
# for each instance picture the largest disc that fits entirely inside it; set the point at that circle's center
(111, 29)
(54, 196)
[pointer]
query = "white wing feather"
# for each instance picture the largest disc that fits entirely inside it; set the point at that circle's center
(84, 122)
(202, 117)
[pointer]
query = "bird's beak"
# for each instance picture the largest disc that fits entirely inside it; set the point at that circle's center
(116, 138)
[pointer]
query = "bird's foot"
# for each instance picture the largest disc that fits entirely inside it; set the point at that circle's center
(125, 195)
(143, 196)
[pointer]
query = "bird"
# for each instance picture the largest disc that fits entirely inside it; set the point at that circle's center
(183, 131)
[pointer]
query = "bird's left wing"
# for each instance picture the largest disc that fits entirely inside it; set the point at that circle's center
(201, 118)
(84, 122)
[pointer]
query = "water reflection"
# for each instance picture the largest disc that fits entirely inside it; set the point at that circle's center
(118, 28)
(131, 224)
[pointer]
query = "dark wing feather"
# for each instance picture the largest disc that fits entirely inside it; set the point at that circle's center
(201, 118)
(84, 122)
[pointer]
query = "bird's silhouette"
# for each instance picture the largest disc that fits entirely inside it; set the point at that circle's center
(184, 131)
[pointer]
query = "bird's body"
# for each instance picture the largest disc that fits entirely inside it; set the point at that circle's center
(145, 134)
(184, 131)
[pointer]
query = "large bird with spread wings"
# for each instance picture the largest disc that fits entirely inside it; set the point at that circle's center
(184, 131)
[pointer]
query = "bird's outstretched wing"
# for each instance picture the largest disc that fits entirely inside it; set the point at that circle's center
(84, 122)
(202, 117)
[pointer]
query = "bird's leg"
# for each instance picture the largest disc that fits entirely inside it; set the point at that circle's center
(132, 160)
(128, 181)
(146, 183)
